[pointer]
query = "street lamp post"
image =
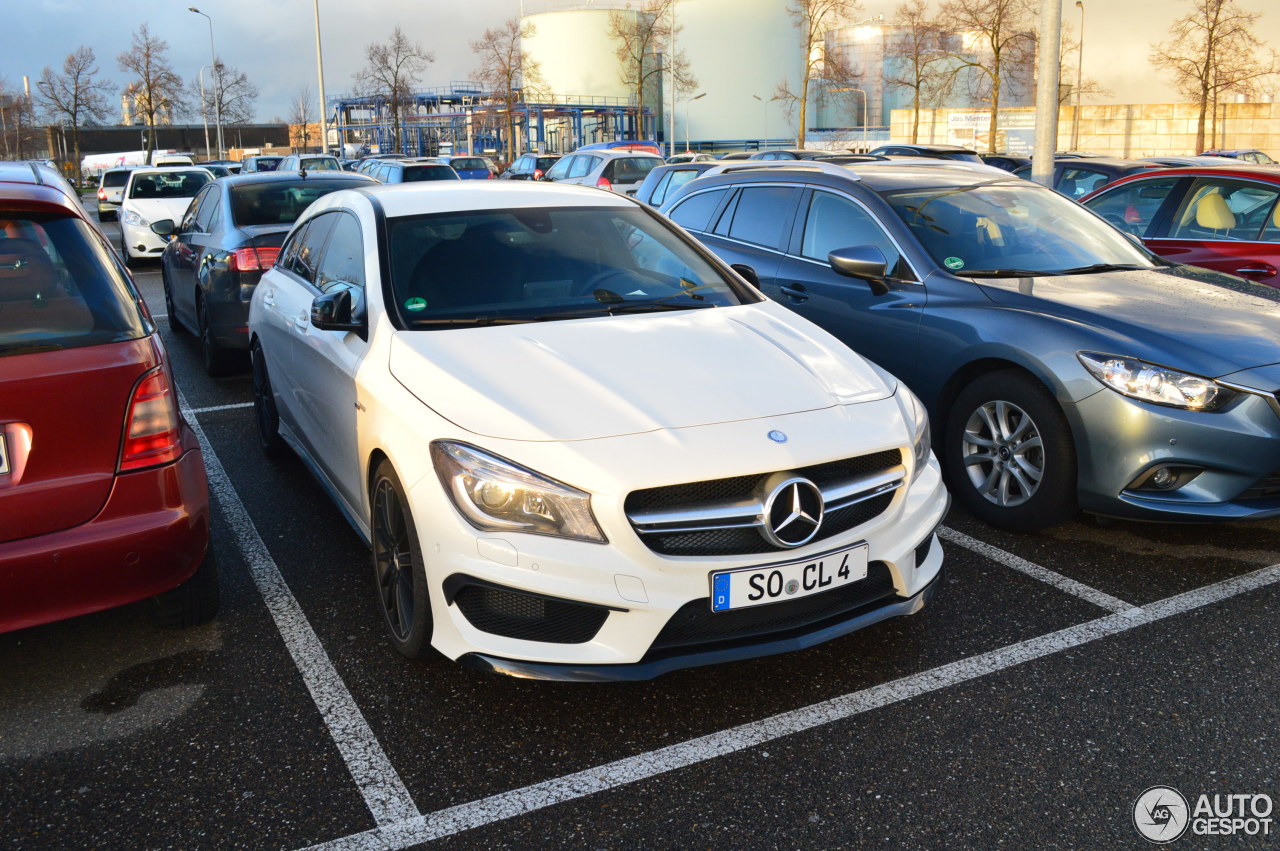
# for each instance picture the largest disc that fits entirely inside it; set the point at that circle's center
(1075, 128)
(324, 124)
(765, 103)
(686, 118)
(204, 113)
(217, 80)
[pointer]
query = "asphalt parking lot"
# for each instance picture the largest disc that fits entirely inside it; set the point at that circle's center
(1054, 679)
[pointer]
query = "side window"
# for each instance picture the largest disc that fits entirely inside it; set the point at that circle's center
(343, 261)
(309, 244)
(289, 252)
(560, 170)
(660, 191)
(582, 166)
(836, 222)
(763, 214)
(209, 208)
(1078, 182)
(188, 223)
(1133, 207)
(1225, 209)
(694, 212)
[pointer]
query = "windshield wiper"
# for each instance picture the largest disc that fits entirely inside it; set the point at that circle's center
(471, 321)
(1003, 273)
(1102, 267)
(30, 348)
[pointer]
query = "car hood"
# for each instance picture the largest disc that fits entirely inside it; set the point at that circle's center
(1182, 317)
(608, 376)
(158, 209)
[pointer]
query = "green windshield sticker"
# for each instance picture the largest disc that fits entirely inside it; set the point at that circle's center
(951, 263)
(415, 304)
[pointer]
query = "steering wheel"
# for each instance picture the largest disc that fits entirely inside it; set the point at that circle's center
(1118, 221)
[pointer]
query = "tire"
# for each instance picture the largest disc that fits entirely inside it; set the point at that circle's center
(399, 574)
(1008, 453)
(217, 360)
(265, 414)
(175, 325)
(128, 261)
(193, 602)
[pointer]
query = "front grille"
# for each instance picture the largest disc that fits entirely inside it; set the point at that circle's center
(750, 542)
(695, 624)
(737, 531)
(1265, 488)
(514, 614)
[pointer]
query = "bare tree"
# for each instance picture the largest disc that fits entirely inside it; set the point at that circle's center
(301, 115)
(1069, 57)
(17, 123)
(74, 95)
(642, 35)
(1006, 41)
(159, 89)
(229, 89)
(813, 18)
(922, 65)
(391, 73)
(509, 75)
(1213, 52)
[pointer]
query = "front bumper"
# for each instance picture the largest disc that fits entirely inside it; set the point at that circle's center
(141, 242)
(150, 536)
(1122, 438)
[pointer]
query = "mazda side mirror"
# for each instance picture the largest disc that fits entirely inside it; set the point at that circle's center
(865, 262)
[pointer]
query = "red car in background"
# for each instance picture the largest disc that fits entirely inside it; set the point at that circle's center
(103, 497)
(1225, 218)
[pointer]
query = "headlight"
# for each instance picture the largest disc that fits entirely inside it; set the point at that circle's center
(129, 217)
(921, 439)
(1156, 384)
(499, 496)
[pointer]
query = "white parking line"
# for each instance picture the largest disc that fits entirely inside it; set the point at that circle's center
(654, 763)
(217, 408)
(1057, 580)
(383, 790)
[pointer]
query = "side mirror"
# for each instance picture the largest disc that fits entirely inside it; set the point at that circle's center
(332, 312)
(747, 272)
(164, 227)
(865, 262)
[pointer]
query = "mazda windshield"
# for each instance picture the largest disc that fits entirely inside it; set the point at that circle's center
(1013, 229)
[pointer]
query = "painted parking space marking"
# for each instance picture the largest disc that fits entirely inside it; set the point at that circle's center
(384, 792)
(211, 408)
(494, 808)
(1044, 574)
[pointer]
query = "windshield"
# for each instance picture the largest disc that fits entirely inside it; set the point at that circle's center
(467, 162)
(168, 184)
(1012, 229)
(277, 202)
(320, 164)
(541, 264)
(418, 173)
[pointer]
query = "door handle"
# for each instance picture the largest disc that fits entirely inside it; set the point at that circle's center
(269, 298)
(795, 291)
(1256, 270)
(301, 321)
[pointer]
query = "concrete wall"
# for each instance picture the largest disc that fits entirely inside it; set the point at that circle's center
(1120, 130)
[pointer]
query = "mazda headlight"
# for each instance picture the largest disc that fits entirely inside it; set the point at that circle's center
(1157, 384)
(918, 421)
(499, 496)
(129, 217)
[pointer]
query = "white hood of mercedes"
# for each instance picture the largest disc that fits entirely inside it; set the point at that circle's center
(615, 375)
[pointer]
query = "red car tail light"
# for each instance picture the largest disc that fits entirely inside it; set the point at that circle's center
(102, 194)
(152, 436)
(603, 183)
(537, 174)
(252, 259)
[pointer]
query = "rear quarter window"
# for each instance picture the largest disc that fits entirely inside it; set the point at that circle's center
(695, 211)
(60, 288)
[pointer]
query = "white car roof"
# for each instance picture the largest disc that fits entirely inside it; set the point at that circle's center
(411, 199)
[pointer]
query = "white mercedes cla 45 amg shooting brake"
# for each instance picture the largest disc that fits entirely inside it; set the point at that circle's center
(578, 445)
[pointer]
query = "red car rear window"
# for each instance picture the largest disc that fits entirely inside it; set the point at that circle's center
(60, 288)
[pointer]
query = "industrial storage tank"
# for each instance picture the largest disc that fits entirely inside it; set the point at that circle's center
(736, 49)
(571, 44)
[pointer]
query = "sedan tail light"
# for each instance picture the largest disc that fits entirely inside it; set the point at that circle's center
(252, 259)
(102, 194)
(151, 436)
(603, 183)
(537, 174)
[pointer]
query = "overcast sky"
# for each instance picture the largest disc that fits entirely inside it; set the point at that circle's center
(273, 41)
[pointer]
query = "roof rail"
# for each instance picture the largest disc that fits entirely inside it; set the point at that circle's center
(35, 170)
(803, 165)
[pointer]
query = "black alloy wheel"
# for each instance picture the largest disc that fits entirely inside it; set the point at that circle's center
(265, 414)
(398, 572)
(217, 360)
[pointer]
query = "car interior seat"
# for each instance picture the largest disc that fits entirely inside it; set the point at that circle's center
(1213, 213)
(478, 268)
(32, 303)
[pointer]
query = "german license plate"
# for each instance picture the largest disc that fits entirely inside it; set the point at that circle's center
(775, 583)
(4, 455)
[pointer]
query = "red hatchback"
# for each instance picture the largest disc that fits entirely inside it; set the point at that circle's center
(103, 497)
(1225, 218)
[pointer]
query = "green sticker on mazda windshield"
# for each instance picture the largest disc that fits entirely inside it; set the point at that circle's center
(415, 304)
(954, 263)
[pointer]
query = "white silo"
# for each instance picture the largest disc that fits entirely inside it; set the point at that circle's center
(736, 49)
(572, 47)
